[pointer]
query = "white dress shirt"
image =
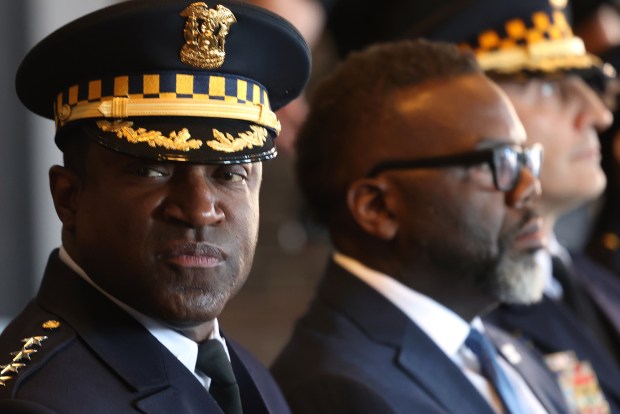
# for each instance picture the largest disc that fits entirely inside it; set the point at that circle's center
(179, 345)
(552, 288)
(445, 328)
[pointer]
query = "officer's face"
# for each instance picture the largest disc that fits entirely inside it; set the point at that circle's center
(454, 219)
(175, 241)
(564, 116)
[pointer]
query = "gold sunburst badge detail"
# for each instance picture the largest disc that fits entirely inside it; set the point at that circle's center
(179, 141)
(205, 35)
(248, 139)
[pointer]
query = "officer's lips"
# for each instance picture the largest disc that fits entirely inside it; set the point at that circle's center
(530, 236)
(193, 254)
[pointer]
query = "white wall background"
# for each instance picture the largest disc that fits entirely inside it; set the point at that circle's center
(38, 218)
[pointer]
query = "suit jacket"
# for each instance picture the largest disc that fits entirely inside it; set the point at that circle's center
(608, 227)
(355, 352)
(101, 360)
(604, 289)
(551, 327)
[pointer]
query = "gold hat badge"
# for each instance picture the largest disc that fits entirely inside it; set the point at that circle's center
(205, 35)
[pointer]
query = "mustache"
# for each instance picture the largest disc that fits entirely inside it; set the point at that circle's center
(528, 215)
(524, 222)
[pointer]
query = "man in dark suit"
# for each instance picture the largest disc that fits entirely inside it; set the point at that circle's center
(164, 113)
(529, 49)
(416, 163)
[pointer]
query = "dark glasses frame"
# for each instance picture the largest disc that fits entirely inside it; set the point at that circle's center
(530, 157)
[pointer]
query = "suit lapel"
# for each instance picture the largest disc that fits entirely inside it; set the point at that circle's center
(415, 353)
(549, 326)
(435, 372)
(251, 398)
(170, 400)
(260, 393)
(603, 286)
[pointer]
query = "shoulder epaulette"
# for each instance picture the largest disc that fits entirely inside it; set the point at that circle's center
(25, 353)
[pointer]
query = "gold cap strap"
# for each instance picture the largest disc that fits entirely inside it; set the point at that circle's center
(122, 107)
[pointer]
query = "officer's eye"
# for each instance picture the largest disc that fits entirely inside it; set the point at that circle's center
(149, 171)
(231, 173)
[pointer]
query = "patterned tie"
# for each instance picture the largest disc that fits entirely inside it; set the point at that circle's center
(488, 358)
(213, 361)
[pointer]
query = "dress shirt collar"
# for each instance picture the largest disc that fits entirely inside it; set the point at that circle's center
(443, 326)
(179, 345)
(551, 287)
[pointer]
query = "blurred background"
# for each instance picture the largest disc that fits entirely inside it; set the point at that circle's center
(291, 250)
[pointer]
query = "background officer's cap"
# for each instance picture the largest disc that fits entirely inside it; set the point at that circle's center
(169, 79)
(509, 37)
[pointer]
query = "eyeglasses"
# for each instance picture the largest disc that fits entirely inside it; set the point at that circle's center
(505, 161)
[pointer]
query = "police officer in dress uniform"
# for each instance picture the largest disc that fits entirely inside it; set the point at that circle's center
(164, 113)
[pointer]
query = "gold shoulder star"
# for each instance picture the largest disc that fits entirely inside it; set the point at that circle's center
(33, 340)
(3, 380)
(23, 354)
(14, 367)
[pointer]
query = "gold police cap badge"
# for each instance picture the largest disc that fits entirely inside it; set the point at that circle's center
(205, 35)
(192, 83)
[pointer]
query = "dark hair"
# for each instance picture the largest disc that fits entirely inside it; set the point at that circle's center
(353, 103)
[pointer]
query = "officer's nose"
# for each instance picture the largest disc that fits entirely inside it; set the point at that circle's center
(193, 198)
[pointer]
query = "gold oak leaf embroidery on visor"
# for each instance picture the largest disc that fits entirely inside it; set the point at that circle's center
(179, 141)
(227, 143)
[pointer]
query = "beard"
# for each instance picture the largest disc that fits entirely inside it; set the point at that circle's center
(516, 280)
(503, 274)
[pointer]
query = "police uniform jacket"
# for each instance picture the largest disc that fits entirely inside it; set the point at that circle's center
(74, 351)
(551, 327)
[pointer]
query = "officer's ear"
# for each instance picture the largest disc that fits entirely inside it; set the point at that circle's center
(65, 186)
(370, 202)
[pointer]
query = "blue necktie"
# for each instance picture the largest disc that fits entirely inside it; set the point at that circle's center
(488, 358)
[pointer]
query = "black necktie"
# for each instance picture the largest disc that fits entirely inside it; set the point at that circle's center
(492, 371)
(213, 361)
